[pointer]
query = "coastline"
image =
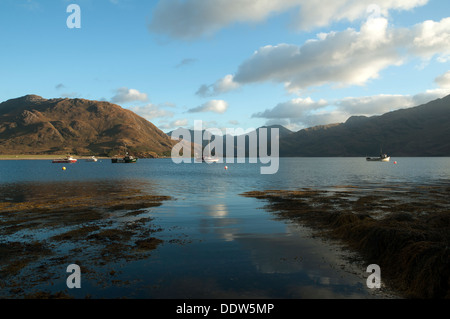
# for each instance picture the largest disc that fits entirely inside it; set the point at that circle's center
(110, 228)
(404, 230)
(39, 157)
(52, 157)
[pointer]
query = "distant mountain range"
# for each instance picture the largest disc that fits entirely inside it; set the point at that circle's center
(418, 131)
(282, 133)
(34, 125)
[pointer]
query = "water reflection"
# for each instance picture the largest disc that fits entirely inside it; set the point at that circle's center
(217, 210)
(215, 242)
(215, 219)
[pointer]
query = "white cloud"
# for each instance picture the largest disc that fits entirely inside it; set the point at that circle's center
(125, 95)
(314, 14)
(295, 108)
(431, 38)
(216, 106)
(179, 123)
(221, 86)
(196, 18)
(443, 80)
(151, 111)
(302, 113)
(174, 124)
(374, 105)
(344, 58)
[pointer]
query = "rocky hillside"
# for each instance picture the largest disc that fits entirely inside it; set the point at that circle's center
(34, 125)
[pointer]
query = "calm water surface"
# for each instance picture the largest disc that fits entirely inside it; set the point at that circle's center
(227, 245)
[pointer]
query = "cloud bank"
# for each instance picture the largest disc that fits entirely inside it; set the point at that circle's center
(191, 19)
(216, 106)
(125, 95)
(345, 58)
(300, 113)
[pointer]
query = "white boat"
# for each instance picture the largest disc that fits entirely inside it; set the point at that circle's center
(381, 158)
(91, 159)
(209, 159)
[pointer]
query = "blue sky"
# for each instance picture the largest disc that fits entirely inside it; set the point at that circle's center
(230, 63)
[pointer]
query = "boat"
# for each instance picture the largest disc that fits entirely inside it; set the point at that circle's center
(207, 159)
(126, 159)
(381, 158)
(68, 159)
(91, 159)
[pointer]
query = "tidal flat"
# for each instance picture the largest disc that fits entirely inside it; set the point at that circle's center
(403, 229)
(97, 226)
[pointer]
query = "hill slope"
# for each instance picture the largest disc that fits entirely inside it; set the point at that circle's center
(34, 125)
(282, 132)
(419, 131)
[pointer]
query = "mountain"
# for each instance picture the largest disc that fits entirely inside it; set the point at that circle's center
(418, 131)
(282, 132)
(34, 125)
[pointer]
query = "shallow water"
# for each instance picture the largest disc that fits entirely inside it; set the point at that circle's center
(216, 243)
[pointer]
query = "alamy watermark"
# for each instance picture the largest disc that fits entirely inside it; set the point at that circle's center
(74, 19)
(374, 279)
(74, 279)
(259, 145)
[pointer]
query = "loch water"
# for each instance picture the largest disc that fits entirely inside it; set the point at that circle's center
(216, 243)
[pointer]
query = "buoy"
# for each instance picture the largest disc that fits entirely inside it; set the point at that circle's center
(226, 167)
(395, 162)
(63, 168)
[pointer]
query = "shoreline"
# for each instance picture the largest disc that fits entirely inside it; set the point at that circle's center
(406, 231)
(114, 231)
(52, 157)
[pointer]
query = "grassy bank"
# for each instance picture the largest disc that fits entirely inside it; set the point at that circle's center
(42, 157)
(29, 157)
(406, 231)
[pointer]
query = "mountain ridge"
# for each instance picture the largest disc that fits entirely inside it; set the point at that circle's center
(417, 131)
(34, 125)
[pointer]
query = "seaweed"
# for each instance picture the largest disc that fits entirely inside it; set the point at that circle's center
(409, 239)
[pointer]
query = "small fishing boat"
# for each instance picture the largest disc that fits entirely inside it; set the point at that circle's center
(68, 159)
(91, 159)
(127, 159)
(381, 158)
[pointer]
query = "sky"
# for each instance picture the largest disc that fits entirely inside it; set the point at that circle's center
(229, 63)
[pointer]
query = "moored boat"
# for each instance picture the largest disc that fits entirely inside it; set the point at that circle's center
(68, 159)
(127, 159)
(207, 159)
(381, 158)
(91, 159)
